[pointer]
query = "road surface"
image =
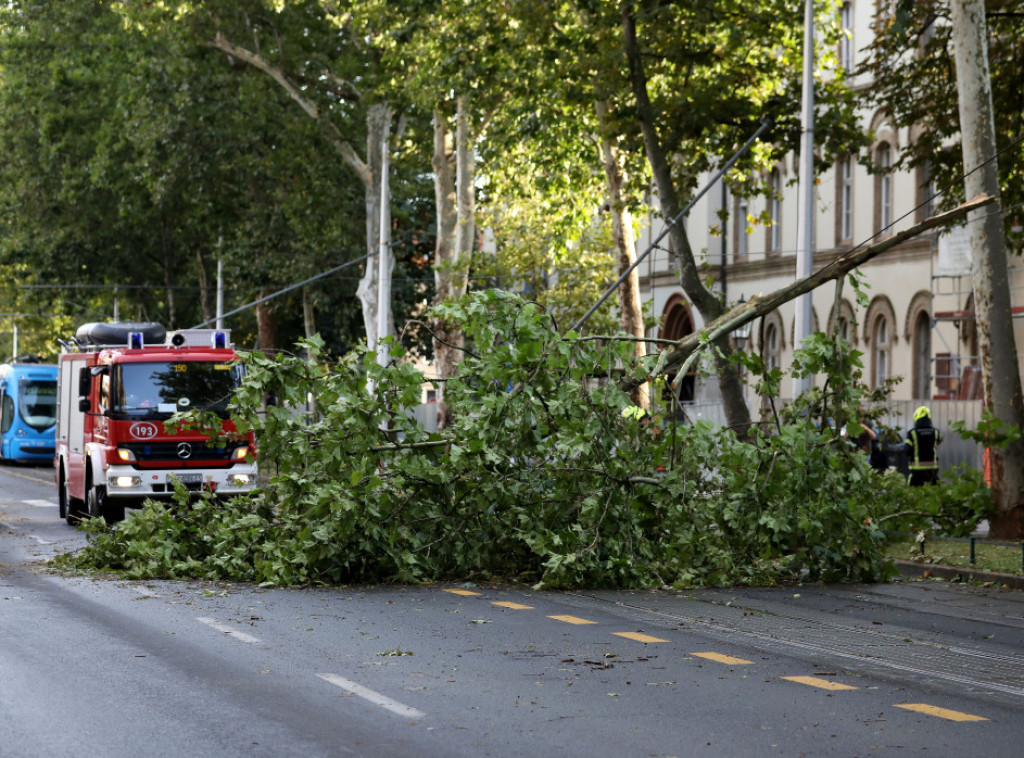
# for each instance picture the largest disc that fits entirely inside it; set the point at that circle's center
(105, 667)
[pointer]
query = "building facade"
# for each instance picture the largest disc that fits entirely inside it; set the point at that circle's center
(918, 323)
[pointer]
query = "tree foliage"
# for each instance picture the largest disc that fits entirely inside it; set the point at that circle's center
(912, 67)
(542, 478)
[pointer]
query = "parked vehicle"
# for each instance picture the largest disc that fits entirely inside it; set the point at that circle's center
(118, 383)
(28, 411)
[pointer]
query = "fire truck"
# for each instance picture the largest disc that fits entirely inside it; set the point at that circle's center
(117, 385)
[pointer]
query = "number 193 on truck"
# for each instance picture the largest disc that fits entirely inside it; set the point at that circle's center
(117, 385)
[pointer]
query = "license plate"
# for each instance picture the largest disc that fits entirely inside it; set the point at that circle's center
(188, 478)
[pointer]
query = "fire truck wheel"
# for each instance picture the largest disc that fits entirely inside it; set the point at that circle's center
(71, 508)
(99, 505)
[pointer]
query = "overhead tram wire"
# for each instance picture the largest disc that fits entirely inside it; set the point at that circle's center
(290, 288)
(671, 223)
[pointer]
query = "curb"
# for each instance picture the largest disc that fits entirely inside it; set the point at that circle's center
(913, 570)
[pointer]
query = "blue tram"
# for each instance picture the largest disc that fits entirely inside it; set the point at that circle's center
(28, 412)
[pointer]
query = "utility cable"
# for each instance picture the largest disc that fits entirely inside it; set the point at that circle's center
(671, 223)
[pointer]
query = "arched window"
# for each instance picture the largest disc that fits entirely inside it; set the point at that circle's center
(772, 346)
(676, 323)
(847, 323)
(881, 351)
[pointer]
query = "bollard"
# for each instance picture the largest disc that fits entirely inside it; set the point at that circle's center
(972, 551)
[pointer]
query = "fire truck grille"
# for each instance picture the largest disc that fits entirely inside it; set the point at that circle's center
(179, 451)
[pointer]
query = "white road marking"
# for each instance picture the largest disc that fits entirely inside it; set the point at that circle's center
(40, 540)
(40, 503)
(374, 697)
(240, 636)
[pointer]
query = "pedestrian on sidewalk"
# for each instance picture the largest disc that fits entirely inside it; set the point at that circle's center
(922, 449)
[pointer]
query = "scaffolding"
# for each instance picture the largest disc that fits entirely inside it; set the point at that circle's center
(956, 368)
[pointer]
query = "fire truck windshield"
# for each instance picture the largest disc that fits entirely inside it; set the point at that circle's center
(160, 389)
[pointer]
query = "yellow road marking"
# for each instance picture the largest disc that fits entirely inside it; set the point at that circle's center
(723, 659)
(813, 681)
(514, 606)
(942, 713)
(462, 592)
(571, 619)
(638, 637)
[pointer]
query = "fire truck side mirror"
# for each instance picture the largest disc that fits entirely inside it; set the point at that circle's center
(84, 405)
(84, 382)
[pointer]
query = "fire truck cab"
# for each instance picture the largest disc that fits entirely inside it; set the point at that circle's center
(117, 385)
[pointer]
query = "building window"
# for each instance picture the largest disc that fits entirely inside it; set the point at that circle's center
(771, 346)
(883, 187)
(676, 323)
(846, 41)
(775, 211)
(844, 201)
(881, 351)
(922, 355)
(740, 248)
(926, 199)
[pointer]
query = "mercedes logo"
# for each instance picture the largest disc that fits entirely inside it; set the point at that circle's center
(184, 450)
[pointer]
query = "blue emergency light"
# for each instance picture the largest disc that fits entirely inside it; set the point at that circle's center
(135, 341)
(219, 340)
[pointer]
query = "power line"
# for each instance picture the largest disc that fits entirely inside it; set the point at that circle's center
(287, 289)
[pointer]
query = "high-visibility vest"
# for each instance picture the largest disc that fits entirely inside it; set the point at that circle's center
(921, 445)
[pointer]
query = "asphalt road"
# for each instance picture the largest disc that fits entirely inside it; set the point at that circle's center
(116, 668)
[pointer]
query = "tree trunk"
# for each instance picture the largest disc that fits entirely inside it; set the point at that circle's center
(996, 344)
(378, 130)
(630, 307)
(266, 325)
(204, 284)
(308, 314)
(707, 303)
(454, 179)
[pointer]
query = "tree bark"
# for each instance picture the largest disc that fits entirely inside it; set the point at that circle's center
(992, 306)
(266, 325)
(707, 303)
(630, 307)
(204, 287)
(454, 190)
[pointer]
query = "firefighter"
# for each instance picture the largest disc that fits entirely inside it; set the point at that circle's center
(922, 445)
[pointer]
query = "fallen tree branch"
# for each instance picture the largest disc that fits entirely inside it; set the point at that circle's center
(685, 351)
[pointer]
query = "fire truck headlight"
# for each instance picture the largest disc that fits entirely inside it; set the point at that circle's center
(125, 481)
(241, 480)
(241, 453)
(125, 455)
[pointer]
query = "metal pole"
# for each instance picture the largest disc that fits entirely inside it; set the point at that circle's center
(383, 275)
(805, 227)
(220, 293)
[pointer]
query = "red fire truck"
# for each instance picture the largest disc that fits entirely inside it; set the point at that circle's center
(117, 384)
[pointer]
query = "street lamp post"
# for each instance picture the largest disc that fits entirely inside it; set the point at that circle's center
(741, 334)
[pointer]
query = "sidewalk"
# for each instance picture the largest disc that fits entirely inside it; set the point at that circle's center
(913, 570)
